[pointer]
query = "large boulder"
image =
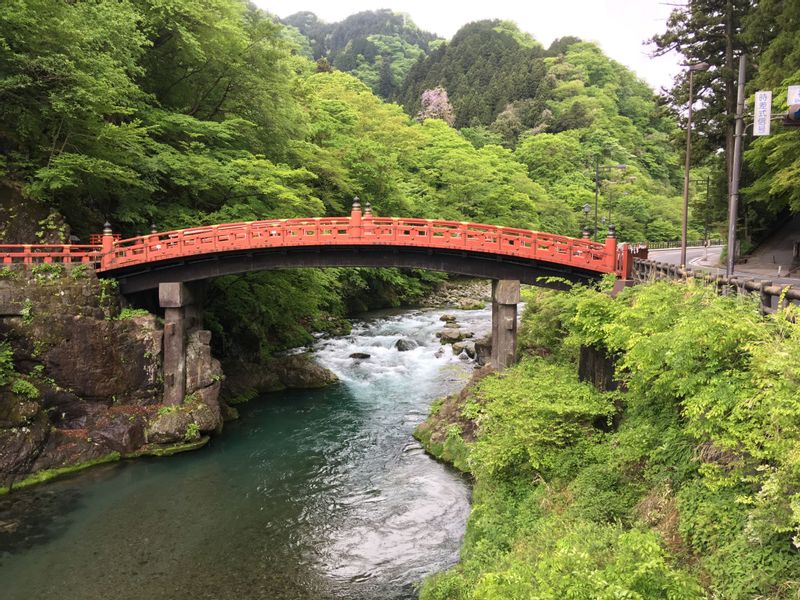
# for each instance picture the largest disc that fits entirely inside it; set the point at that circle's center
(169, 426)
(299, 371)
(202, 369)
(19, 448)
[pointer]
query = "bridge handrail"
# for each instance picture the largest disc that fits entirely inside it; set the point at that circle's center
(357, 229)
(49, 253)
(342, 231)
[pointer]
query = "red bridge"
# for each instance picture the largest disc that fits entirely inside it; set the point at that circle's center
(184, 255)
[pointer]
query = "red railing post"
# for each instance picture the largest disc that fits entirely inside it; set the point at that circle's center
(368, 226)
(107, 247)
(627, 262)
(355, 218)
(611, 249)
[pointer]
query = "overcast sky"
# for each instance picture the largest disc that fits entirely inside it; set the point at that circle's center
(619, 26)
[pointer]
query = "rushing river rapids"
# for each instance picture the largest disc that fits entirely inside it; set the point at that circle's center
(316, 494)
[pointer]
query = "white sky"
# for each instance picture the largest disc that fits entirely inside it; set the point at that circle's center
(619, 26)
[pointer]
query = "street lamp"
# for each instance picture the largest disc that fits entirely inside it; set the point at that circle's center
(597, 169)
(702, 66)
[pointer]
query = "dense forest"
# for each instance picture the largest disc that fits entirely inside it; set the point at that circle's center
(379, 47)
(717, 32)
(184, 113)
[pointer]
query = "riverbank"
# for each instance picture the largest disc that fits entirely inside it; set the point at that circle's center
(679, 483)
(311, 494)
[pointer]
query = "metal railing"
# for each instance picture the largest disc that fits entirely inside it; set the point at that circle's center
(677, 244)
(772, 297)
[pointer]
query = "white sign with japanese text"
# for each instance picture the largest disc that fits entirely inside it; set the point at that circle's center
(763, 113)
(793, 97)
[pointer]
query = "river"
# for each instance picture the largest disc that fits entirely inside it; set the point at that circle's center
(309, 495)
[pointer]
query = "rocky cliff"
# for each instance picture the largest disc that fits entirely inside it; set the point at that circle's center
(80, 377)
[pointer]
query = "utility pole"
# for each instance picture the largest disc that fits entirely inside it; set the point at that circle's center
(596, 193)
(733, 200)
(685, 223)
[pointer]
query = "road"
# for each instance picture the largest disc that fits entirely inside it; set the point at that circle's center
(709, 260)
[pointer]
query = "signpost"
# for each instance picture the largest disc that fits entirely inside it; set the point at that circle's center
(763, 113)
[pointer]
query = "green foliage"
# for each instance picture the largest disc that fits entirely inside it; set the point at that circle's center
(192, 432)
(131, 313)
(24, 388)
(79, 271)
(26, 311)
(47, 272)
(523, 429)
(379, 47)
(6, 363)
(684, 486)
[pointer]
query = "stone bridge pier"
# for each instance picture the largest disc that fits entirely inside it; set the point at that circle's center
(505, 297)
(182, 306)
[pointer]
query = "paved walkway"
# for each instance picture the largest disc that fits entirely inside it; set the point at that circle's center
(710, 259)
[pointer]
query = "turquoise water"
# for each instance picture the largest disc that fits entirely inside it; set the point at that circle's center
(320, 494)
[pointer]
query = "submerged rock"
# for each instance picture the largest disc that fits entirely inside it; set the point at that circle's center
(360, 355)
(404, 344)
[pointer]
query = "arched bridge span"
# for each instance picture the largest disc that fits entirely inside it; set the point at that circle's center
(168, 260)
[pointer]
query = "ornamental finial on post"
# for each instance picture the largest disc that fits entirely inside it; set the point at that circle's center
(367, 209)
(107, 242)
(355, 218)
(612, 231)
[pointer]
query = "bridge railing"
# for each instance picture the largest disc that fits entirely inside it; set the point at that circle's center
(31, 254)
(473, 237)
(357, 229)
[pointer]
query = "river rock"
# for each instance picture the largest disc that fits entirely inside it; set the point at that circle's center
(448, 318)
(202, 369)
(472, 304)
(450, 335)
(299, 371)
(169, 426)
(19, 447)
(404, 344)
(483, 350)
(467, 347)
(119, 432)
(244, 380)
(360, 355)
